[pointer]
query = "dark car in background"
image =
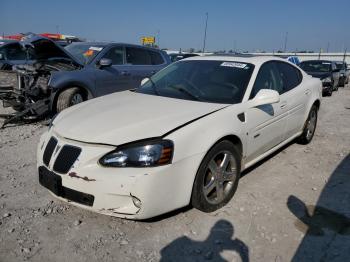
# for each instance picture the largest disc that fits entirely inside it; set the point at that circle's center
(326, 71)
(344, 72)
(62, 77)
(179, 56)
(12, 53)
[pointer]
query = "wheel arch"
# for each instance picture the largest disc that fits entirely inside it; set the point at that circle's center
(85, 91)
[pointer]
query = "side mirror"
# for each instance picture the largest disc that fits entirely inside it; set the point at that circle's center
(336, 70)
(1, 57)
(144, 81)
(265, 97)
(105, 62)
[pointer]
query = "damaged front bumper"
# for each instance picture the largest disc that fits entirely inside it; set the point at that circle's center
(133, 193)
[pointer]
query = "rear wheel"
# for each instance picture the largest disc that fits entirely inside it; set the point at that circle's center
(217, 178)
(69, 97)
(309, 127)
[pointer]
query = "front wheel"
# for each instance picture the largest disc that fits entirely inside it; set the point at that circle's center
(309, 127)
(69, 97)
(217, 177)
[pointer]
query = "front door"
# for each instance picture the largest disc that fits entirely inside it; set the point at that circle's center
(114, 78)
(266, 124)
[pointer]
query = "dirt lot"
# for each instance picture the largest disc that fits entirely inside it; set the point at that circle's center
(293, 206)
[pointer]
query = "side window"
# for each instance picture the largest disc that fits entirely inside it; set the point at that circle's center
(116, 54)
(14, 52)
(137, 56)
(156, 58)
(291, 77)
(267, 78)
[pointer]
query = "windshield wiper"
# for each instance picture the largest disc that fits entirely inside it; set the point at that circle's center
(185, 91)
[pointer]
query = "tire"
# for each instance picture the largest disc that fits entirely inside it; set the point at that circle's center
(211, 190)
(309, 127)
(69, 97)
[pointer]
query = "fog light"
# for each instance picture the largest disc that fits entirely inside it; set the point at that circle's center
(136, 201)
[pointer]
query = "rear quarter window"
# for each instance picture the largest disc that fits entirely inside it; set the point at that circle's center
(138, 56)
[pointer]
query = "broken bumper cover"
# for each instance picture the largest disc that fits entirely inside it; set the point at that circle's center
(12, 97)
(134, 193)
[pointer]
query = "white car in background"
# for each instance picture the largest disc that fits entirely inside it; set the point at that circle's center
(182, 138)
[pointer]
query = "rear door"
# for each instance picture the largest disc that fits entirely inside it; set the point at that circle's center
(142, 63)
(295, 94)
(267, 123)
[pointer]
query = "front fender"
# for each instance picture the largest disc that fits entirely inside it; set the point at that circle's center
(78, 78)
(194, 140)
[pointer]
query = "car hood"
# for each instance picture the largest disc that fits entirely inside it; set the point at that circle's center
(319, 75)
(128, 116)
(46, 49)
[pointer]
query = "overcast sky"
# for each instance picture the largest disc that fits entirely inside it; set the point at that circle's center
(247, 25)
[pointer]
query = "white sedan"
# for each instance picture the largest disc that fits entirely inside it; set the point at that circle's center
(182, 138)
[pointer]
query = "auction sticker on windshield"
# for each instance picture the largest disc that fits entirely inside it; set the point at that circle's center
(234, 64)
(94, 48)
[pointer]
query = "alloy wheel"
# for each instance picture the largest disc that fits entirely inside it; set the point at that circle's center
(76, 99)
(311, 125)
(220, 176)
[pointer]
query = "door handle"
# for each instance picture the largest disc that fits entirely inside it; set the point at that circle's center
(124, 73)
(307, 92)
(283, 105)
(153, 72)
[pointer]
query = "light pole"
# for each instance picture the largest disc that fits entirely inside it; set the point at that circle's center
(158, 38)
(285, 42)
(205, 32)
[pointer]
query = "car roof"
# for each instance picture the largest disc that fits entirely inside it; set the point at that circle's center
(245, 58)
(316, 60)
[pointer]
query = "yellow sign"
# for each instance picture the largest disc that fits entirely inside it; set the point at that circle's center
(148, 40)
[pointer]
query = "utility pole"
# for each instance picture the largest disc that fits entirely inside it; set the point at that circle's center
(158, 38)
(205, 31)
(327, 48)
(57, 27)
(285, 42)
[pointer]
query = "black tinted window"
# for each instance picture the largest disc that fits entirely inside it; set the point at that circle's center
(157, 59)
(15, 52)
(290, 76)
(137, 56)
(267, 78)
(116, 54)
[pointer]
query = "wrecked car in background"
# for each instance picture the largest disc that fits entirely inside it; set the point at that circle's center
(12, 53)
(62, 77)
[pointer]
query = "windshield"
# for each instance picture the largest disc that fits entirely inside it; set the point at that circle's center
(316, 66)
(201, 80)
(84, 52)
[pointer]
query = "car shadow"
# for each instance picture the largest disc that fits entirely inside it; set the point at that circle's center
(327, 224)
(219, 240)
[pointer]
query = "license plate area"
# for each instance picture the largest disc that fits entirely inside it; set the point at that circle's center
(53, 183)
(50, 180)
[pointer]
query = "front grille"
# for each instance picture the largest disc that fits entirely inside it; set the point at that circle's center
(49, 150)
(66, 158)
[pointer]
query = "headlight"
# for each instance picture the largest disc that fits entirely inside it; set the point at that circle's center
(143, 154)
(327, 80)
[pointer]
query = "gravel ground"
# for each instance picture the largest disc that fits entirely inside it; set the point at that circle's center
(293, 206)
